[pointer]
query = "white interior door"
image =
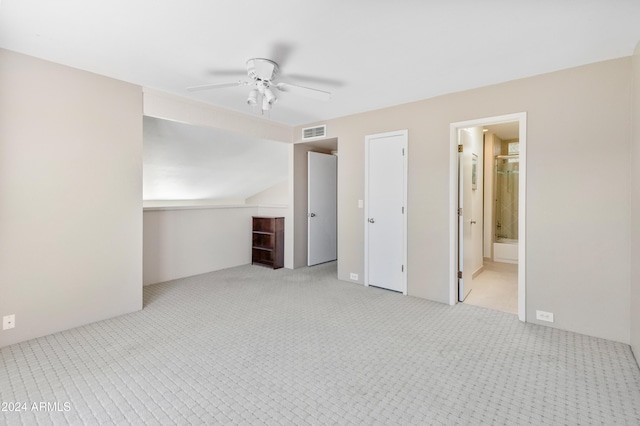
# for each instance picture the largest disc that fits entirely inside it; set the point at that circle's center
(385, 231)
(322, 208)
(465, 221)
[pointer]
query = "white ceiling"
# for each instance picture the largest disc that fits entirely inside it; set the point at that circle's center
(369, 54)
(185, 162)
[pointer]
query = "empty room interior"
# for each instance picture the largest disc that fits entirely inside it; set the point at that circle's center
(320, 213)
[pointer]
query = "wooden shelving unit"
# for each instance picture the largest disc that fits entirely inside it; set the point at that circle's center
(267, 248)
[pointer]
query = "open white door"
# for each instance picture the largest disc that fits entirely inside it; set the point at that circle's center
(385, 228)
(322, 208)
(465, 215)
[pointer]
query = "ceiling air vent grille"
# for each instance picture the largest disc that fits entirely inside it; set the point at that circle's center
(314, 132)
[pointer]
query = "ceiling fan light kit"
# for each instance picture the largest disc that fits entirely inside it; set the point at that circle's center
(253, 97)
(269, 96)
(263, 72)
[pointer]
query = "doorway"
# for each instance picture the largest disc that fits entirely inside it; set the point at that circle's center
(484, 207)
(300, 193)
(385, 204)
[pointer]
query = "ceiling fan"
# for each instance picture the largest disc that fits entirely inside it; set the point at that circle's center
(262, 73)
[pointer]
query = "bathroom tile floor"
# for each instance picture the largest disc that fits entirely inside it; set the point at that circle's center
(496, 287)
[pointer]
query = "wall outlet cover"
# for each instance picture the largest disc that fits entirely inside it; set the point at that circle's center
(353, 276)
(8, 321)
(544, 316)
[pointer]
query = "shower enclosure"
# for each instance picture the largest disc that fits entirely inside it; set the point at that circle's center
(506, 180)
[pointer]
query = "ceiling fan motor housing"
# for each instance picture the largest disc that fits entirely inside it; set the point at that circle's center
(262, 69)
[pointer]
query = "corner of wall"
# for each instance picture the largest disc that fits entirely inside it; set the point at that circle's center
(635, 206)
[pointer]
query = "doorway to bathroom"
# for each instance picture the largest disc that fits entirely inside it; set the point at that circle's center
(488, 213)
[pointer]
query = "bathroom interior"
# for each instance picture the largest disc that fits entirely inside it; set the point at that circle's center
(495, 285)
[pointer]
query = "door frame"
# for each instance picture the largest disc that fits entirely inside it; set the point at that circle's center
(405, 135)
(521, 118)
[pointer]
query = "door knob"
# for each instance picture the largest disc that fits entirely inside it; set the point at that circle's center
(372, 220)
(473, 222)
(312, 215)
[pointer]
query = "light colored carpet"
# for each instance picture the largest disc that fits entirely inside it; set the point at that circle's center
(249, 345)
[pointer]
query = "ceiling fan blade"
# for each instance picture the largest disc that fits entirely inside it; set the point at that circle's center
(227, 72)
(315, 80)
(217, 86)
(304, 91)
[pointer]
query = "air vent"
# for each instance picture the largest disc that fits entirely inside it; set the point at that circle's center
(314, 132)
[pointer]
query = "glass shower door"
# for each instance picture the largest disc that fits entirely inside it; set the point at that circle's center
(506, 193)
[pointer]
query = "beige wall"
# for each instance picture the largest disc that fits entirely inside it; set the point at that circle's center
(577, 190)
(171, 107)
(180, 242)
(71, 197)
(276, 194)
(635, 208)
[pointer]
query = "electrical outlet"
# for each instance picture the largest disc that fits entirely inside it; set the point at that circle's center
(8, 321)
(353, 276)
(544, 316)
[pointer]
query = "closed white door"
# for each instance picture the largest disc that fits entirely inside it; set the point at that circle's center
(385, 225)
(322, 208)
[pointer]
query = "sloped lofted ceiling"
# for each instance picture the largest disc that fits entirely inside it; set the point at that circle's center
(185, 162)
(369, 54)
